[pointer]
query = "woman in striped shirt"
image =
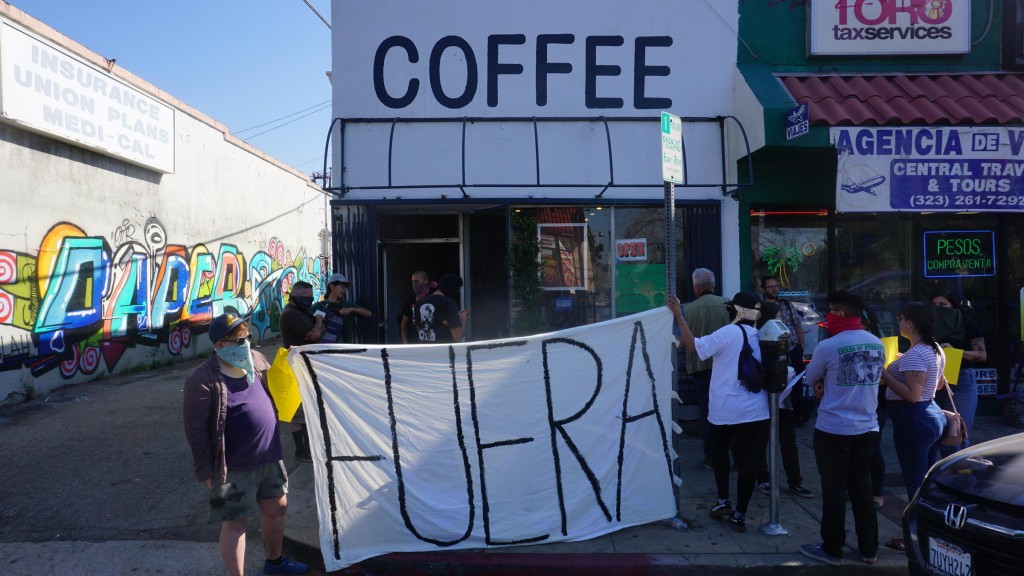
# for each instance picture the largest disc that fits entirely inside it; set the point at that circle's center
(912, 379)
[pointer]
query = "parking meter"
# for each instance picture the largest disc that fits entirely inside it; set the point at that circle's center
(774, 338)
(775, 355)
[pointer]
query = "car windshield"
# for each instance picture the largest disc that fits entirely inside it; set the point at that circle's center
(996, 474)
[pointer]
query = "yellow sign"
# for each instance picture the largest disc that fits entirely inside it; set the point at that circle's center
(283, 386)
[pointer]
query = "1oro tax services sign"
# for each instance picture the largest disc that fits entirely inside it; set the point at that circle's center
(929, 169)
(558, 59)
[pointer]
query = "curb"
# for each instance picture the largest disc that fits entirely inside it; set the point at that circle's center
(469, 563)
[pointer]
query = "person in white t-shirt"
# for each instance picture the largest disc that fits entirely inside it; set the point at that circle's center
(734, 412)
(845, 373)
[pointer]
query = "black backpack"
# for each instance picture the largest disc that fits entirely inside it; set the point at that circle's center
(749, 370)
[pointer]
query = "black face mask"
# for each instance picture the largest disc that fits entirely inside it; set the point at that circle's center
(303, 302)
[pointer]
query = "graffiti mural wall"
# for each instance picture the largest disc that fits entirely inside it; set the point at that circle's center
(82, 300)
(112, 261)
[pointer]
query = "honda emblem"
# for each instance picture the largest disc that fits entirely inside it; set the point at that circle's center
(956, 515)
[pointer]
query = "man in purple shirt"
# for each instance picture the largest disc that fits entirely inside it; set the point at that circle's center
(231, 426)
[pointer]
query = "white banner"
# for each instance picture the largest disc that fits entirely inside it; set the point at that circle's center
(562, 436)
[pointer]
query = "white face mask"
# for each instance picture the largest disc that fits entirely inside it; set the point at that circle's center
(742, 313)
(239, 356)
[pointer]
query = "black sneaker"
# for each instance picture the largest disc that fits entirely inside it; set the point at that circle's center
(723, 509)
(285, 566)
(801, 491)
(738, 523)
(818, 553)
(765, 487)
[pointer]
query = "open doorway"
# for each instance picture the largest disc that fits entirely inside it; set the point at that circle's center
(401, 259)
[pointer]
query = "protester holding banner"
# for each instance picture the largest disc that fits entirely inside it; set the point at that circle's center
(912, 379)
(231, 426)
(845, 372)
(734, 410)
(972, 342)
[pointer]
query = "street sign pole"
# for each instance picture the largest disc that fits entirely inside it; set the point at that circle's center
(672, 174)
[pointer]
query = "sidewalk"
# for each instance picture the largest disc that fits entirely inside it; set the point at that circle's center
(97, 479)
(707, 547)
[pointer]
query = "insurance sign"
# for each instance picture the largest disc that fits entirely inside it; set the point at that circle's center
(934, 168)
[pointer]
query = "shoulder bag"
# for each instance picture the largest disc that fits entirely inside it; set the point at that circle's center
(955, 433)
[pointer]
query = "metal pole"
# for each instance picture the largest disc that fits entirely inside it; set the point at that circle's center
(670, 290)
(773, 528)
(670, 240)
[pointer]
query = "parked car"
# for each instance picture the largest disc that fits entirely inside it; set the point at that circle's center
(968, 516)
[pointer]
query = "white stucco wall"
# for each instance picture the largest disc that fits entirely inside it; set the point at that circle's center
(559, 58)
(107, 266)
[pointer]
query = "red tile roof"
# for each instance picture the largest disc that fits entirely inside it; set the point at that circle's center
(922, 99)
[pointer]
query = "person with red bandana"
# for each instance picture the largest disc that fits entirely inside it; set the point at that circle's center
(845, 373)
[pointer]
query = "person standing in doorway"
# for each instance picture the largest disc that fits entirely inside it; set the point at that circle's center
(705, 314)
(420, 289)
(845, 372)
(300, 326)
(437, 317)
(231, 426)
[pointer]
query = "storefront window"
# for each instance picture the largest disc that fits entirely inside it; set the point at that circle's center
(873, 259)
(1014, 307)
(574, 264)
(639, 259)
(792, 247)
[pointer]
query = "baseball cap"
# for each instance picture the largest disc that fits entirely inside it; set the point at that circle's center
(337, 278)
(745, 300)
(222, 325)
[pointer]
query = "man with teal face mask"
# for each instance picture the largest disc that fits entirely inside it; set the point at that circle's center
(231, 426)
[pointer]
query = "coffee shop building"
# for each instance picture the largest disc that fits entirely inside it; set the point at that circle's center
(467, 132)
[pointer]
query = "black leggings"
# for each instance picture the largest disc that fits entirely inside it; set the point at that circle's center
(751, 439)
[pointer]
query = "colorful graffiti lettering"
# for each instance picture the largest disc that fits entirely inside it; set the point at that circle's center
(81, 302)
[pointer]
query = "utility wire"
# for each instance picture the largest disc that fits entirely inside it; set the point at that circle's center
(318, 14)
(237, 132)
(325, 107)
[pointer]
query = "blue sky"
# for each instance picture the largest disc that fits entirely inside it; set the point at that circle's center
(241, 62)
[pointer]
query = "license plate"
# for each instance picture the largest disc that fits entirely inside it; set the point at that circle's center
(948, 559)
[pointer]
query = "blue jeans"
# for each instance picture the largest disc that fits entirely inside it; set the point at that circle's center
(844, 462)
(965, 394)
(916, 430)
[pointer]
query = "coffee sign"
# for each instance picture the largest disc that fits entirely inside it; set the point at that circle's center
(959, 253)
